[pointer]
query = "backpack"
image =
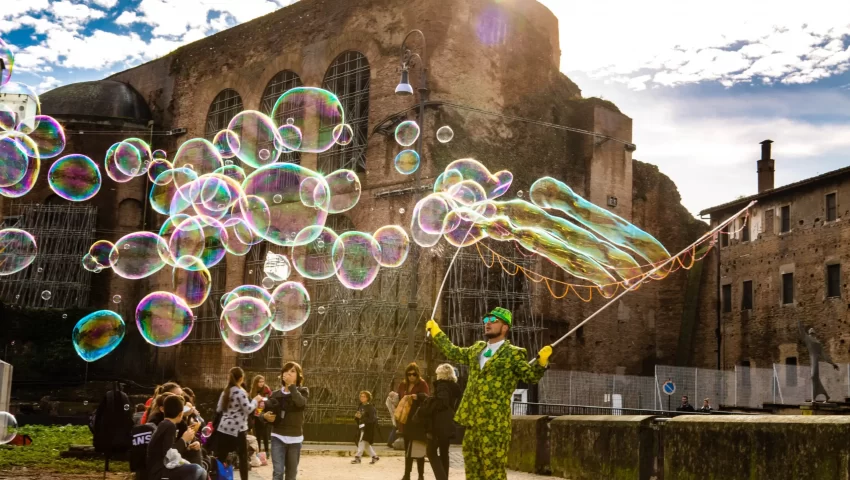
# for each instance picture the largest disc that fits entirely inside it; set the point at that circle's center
(113, 421)
(140, 436)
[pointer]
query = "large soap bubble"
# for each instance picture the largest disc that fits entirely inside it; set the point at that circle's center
(17, 250)
(8, 427)
(244, 343)
(314, 259)
(103, 252)
(199, 155)
(407, 162)
(139, 255)
(292, 306)
(316, 113)
(48, 136)
(253, 139)
(98, 334)
(164, 319)
(9, 60)
(356, 255)
(191, 280)
(395, 245)
(74, 177)
(406, 133)
(280, 219)
(14, 157)
(246, 315)
(344, 189)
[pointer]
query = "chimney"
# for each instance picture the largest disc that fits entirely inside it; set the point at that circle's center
(765, 167)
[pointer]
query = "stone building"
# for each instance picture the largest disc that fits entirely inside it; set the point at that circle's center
(783, 265)
(494, 76)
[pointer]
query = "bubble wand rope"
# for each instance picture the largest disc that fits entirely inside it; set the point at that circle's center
(657, 268)
(446, 277)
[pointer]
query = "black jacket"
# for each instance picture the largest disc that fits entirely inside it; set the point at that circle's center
(368, 419)
(289, 410)
(685, 408)
(443, 405)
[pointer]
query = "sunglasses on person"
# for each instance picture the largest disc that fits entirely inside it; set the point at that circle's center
(491, 319)
(412, 374)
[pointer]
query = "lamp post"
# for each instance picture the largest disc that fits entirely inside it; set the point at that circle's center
(409, 60)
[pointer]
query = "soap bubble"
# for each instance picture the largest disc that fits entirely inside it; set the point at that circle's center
(127, 154)
(292, 306)
(90, 264)
(314, 260)
(9, 60)
(276, 267)
(407, 162)
(206, 431)
(8, 117)
(305, 342)
(251, 291)
(17, 250)
(253, 130)
(98, 334)
(290, 121)
(268, 283)
(164, 319)
(519, 194)
(157, 166)
(8, 427)
(445, 134)
(159, 155)
(406, 133)
(48, 136)
(277, 198)
(401, 210)
(14, 160)
(39, 270)
(46, 295)
(200, 155)
(343, 133)
(321, 310)
(395, 245)
(74, 177)
(243, 343)
(191, 280)
(344, 189)
(291, 138)
(227, 144)
(26, 119)
(318, 112)
(116, 299)
(140, 254)
(246, 315)
(356, 254)
(64, 316)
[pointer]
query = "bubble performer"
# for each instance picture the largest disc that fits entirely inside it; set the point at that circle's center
(495, 367)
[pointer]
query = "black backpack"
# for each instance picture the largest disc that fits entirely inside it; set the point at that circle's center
(113, 421)
(140, 436)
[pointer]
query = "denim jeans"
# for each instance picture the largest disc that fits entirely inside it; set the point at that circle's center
(285, 457)
(185, 472)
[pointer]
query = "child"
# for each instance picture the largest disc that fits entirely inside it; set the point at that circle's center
(164, 439)
(366, 417)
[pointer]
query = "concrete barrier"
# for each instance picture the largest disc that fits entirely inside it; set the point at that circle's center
(610, 447)
(756, 447)
(529, 444)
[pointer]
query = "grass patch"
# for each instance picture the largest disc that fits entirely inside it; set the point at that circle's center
(47, 443)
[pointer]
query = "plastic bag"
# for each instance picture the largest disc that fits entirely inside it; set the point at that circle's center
(173, 459)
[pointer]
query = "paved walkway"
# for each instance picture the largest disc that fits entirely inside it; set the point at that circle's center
(332, 462)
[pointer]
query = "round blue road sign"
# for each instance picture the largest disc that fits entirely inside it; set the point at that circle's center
(669, 387)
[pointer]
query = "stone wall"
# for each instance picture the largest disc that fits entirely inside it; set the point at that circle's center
(590, 447)
(529, 451)
(756, 447)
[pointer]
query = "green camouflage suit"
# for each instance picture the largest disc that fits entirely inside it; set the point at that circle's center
(485, 410)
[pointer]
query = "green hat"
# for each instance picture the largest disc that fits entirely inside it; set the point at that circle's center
(503, 314)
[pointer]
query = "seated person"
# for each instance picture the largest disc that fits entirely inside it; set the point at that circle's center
(164, 439)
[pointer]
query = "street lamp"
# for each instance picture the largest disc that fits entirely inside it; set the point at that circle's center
(405, 89)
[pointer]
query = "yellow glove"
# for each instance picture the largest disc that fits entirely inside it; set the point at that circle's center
(543, 355)
(432, 328)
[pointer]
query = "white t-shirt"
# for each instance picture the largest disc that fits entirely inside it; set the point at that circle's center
(493, 347)
(282, 438)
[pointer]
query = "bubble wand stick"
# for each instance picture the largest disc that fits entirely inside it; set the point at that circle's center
(659, 267)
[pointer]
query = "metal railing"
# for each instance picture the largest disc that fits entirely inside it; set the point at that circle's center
(557, 410)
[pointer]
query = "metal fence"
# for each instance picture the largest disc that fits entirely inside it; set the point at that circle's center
(557, 410)
(743, 387)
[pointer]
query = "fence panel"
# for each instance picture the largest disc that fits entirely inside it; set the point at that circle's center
(794, 384)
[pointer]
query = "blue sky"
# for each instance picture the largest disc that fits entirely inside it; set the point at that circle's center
(703, 81)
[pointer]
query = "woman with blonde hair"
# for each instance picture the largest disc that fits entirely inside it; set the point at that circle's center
(442, 409)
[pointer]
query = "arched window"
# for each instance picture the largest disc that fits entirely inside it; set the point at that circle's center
(225, 106)
(130, 213)
(278, 85)
(348, 78)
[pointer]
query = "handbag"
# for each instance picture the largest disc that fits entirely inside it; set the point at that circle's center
(225, 472)
(417, 449)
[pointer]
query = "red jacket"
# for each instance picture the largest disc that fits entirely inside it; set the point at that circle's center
(421, 387)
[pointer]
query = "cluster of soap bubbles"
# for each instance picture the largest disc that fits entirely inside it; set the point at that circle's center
(588, 242)
(406, 134)
(213, 208)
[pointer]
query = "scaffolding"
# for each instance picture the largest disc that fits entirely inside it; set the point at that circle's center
(473, 290)
(63, 233)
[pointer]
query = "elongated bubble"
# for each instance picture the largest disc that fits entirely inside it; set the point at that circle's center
(244, 343)
(191, 281)
(17, 250)
(356, 255)
(394, 245)
(98, 334)
(75, 178)
(139, 255)
(246, 315)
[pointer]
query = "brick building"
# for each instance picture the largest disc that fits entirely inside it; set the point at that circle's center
(494, 72)
(785, 264)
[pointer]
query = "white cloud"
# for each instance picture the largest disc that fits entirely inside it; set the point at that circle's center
(48, 83)
(66, 10)
(680, 43)
(127, 18)
(107, 4)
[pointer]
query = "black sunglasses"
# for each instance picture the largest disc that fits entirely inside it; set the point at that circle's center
(412, 374)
